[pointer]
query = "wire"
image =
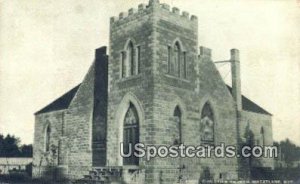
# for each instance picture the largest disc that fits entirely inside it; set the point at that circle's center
(226, 74)
(221, 65)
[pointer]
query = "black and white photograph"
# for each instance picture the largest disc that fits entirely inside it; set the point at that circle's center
(149, 91)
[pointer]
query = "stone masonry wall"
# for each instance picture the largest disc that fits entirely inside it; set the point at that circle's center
(154, 28)
(212, 89)
(256, 122)
(78, 119)
(41, 158)
(86, 137)
(203, 84)
(79, 131)
(170, 91)
(138, 28)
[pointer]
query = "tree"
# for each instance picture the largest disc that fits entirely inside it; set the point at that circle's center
(1, 145)
(26, 150)
(9, 147)
(290, 151)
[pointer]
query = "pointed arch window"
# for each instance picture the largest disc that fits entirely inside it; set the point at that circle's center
(47, 138)
(177, 119)
(169, 60)
(138, 59)
(130, 134)
(262, 134)
(130, 59)
(123, 64)
(207, 124)
(184, 66)
(176, 61)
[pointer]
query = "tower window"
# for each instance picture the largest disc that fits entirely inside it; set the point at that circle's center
(130, 60)
(169, 60)
(184, 66)
(138, 59)
(123, 64)
(176, 62)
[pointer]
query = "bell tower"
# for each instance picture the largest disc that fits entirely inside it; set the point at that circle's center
(152, 68)
(154, 39)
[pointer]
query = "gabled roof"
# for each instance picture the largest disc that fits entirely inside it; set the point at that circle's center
(249, 105)
(61, 103)
(99, 74)
(64, 101)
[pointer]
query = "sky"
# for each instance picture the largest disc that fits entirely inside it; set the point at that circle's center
(46, 48)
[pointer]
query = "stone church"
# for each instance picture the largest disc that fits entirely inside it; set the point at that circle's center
(154, 86)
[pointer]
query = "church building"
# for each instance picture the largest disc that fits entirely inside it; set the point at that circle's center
(152, 85)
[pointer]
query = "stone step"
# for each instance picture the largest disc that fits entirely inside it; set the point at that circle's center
(108, 174)
(93, 173)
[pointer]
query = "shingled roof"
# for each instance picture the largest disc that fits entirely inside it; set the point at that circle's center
(249, 105)
(61, 103)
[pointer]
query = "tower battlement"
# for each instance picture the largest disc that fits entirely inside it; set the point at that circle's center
(153, 4)
(176, 11)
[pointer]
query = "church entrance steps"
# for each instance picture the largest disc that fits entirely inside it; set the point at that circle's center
(113, 175)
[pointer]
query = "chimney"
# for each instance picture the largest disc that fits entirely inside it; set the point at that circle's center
(101, 65)
(100, 52)
(236, 78)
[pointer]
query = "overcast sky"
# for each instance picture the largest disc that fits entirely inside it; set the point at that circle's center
(46, 47)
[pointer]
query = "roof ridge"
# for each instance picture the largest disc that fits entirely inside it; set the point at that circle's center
(249, 105)
(61, 102)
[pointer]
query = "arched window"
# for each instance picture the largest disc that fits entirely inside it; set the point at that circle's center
(138, 59)
(123, 64)
(169, 60)
(47, 139)
(183, 66)
(262, 134)
(176, 61)
(207, 124)
(177, 118)
(130, 59)
(130, 134)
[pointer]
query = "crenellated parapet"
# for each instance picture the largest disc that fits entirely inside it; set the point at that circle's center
(153, 4)
(176, 11)
(130, 13)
